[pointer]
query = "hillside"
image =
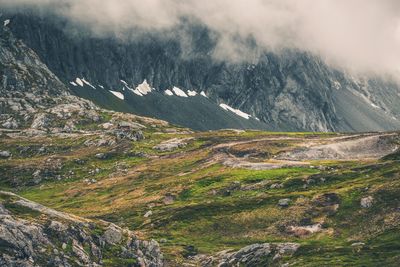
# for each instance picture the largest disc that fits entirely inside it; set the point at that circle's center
(328, 199)
(81, 185)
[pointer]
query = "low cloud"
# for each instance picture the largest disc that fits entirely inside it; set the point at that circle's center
(360, 35)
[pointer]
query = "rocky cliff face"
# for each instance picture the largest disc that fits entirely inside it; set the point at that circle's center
(29, 91)
(292, 90)
(33, 235)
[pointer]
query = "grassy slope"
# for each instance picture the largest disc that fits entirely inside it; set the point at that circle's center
(208, 212)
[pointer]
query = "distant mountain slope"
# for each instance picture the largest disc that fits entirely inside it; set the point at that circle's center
(196, 112)
(27, 84)
(289, 91)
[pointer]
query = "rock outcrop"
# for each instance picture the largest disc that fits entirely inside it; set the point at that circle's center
(34, 235)
(252, 255)
(172, 144)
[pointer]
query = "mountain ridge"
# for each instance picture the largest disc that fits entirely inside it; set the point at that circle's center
(289, 91)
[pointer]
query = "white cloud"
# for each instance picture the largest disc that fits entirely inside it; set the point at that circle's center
(359, 34)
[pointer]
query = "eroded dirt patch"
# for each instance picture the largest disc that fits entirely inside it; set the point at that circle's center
(364, 147)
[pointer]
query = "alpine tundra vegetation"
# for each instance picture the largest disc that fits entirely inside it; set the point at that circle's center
(142, 151)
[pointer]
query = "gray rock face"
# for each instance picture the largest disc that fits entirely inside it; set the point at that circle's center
(32, 96)
(290, 91)
(10, 124)
(113, 235)
(59, 239)
(252, 255)
(40, 121)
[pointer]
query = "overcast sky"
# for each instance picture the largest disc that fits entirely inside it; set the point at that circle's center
(360, 34)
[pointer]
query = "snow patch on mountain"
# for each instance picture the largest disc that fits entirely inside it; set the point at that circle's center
(367, 99)
(236, 111)
(137, 92)
(179, 92)
(143, 88)
(168, 92)
(82, 82)
(6, 22)
(118, 94)
(126, 85)
(191, 93)
(337, 85)
(88, 83)
(79, 82)
(203, 94)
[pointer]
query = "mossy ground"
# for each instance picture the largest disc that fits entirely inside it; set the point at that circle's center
(196, 201)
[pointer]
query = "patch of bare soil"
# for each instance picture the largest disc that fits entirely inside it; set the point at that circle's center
(235, 162)
(361, 147)
(223, 155)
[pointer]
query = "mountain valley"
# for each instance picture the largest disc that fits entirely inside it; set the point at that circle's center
(129, 154)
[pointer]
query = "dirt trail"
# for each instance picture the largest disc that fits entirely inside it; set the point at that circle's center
(363, 147)
(348, 147)
(222, 155)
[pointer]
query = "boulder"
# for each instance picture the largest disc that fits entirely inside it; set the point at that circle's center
(276, 186)
(172, 144)
(130, 125)
(57, 226)
(40, 121)
(5, 154)
(328, 199)
(10, 124)
(300, 231)
(366, 202)
(169, 199)
(80, 252)
(112, 235)
(107, 126)
(284, 202)
(123, 134)
(148, 214)
(100, 156)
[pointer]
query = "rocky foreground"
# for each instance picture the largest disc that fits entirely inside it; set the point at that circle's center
(33, 235)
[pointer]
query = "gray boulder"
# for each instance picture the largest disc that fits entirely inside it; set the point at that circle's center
(366, 202)
(172, 144)
(40, 121)
(126, 134)
(112, 235)
(284, 202)
(130, 125)
(5, 154)
(10, 124)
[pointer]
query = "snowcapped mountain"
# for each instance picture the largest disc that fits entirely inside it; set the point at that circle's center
(187, 108)
(156, 77)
